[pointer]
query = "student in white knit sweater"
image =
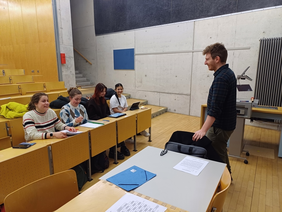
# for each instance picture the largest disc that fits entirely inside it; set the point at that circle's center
(40, 121)
(74, 113)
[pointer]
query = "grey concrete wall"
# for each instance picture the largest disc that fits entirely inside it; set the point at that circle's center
(169, 65)
(66, 41)
(84, 39)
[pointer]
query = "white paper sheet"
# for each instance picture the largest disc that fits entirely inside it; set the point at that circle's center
(191, 165)
(91, 125)
(71, 133)
(130, 202)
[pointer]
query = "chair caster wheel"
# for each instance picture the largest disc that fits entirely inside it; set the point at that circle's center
(246, 162)
(247, 154)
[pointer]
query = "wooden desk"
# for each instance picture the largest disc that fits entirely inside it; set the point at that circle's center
(22, 166)
(4, 135)
(101, 196)
(103, 137)
(183, 190)
(262, 113)
(68, 152)
(126, 126)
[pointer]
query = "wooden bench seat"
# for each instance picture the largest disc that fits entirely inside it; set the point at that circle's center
(9, 72)
(17, 79)
(55, 86)
(4, 80)
(9, 90)
(29, 88)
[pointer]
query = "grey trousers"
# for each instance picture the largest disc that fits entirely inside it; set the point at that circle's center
(219, 140)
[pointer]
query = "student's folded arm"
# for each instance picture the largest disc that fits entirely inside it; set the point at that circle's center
(116, 110)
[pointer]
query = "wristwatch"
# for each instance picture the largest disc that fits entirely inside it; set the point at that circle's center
(51, 135)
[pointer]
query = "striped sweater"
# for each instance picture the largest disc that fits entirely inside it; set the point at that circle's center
(36, 124)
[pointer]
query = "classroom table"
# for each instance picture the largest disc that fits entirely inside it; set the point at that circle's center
(257, 112)
(143, 121)
(67, 152)
(22, 166)
(101, 196)
(183, 190)
(4, 135)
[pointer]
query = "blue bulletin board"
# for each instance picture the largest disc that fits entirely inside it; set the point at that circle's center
(124, 59)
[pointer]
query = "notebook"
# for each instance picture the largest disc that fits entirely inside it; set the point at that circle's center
(116, 115)
(135, 106)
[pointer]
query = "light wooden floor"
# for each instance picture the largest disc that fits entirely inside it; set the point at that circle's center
(256, 186)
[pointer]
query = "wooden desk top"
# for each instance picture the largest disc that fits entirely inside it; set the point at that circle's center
(9, 153)
(101, 196)
(189, 192)
(260, 110)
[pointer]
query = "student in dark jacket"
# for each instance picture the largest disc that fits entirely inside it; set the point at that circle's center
(97, 108)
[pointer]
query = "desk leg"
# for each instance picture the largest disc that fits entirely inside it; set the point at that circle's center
(134, 138)
(89, 160)
(236, 141)
(280, 146)
(50, 160)
(115, 157)
(115, 160)
(150, 132)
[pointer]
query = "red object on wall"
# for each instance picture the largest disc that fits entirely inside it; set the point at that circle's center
(63, 58)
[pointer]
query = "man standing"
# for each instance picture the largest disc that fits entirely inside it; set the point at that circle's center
(221, 110)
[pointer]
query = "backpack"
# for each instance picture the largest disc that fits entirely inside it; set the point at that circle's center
(99, 163)
(110, 92)
(187, 146)
(81, 176)
(196, 151)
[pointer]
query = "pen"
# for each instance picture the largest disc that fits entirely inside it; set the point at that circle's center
(106, 120)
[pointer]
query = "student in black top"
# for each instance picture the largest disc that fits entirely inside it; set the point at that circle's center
(97, 108)
(221, 110)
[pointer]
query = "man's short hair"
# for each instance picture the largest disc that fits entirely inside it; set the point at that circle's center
(217, 49)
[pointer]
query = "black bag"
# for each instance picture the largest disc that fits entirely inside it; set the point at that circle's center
(99, 163)
(185, 138)
(80, 175)
(110, 92)
(186, 149)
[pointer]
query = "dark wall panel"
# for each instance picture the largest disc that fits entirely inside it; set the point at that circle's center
(119, 15)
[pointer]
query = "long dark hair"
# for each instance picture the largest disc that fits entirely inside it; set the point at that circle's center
(34, 100)
(116, 86)
(99, 89)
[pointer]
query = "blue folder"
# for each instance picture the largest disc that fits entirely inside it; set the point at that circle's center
(131, 178)
(116, 115)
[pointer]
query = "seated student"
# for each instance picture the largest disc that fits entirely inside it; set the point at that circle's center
(98, 108)
(40, 121)
(74, 113)
(118, 104)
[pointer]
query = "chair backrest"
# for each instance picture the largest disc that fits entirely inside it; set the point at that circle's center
(46, 194)
(9, 90)
(21, 79)
(8, 72)
(55, 86)
(16, 131)
(219, 198)
(5, 80)
(31, 88)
